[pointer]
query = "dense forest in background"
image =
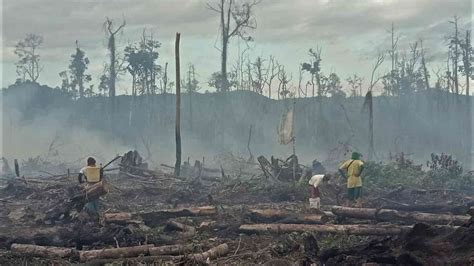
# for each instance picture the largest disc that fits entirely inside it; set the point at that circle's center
(216, 123)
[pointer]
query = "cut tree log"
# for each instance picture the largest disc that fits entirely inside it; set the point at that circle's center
(171, 250)
(41, 251)
(458, 210)
(359, 213)
(346, 229)
(155, 217)
(187, 231)
(119, 218)
(211, 254)
(114, 253)
(386, 215)
(282, 216)
(417, 217)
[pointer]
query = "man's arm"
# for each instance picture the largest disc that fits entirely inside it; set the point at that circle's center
(361, 169)
(342, 169)
(79, 178)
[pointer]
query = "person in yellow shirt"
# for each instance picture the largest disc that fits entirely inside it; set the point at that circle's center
(92, 175)
(352, 170)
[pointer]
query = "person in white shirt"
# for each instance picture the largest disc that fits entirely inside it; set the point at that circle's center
(314, 193)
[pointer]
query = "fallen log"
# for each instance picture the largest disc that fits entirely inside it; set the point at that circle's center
(346, 229)
(120, 218)
(186, 230)
(458, 210)
(386, 215)
(359, 213)
(154, 217)
(171, 250)
(114, 253)
(420, 217)
(282, 216)
(41, 251)
(211, 254)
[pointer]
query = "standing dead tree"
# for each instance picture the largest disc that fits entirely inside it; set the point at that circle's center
(273, 72)
(454, 46)
(111, 33)
(368, 104)
(260, 74)
(314, 68)
(283, 88)
(28, 65)
(356, 85)
(466, 68)
(177, 166)
(234, 21)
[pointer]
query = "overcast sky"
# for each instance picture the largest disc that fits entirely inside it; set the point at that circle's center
(350, 32)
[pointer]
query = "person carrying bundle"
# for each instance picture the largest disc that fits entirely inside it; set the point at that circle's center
(91, 174)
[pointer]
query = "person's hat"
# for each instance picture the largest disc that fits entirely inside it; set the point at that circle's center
(356, 155)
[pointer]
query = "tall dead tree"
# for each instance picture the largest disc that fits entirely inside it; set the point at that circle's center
(426, 75)
(467, 58)
(454, 45)
(111, 33)
(368, 105)
(177, 165)
(273, 72)
(28, 65)
(234, 21)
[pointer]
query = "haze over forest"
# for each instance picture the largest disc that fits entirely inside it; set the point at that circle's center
(410, 60)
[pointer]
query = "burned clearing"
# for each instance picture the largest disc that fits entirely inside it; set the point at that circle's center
(219, 216)
(237, 132)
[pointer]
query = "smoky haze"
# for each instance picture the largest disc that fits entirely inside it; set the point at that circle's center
(416, 108)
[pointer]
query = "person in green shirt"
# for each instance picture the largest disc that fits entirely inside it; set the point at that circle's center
(352, 170)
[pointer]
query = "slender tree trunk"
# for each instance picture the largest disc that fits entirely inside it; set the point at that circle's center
(81, 87)
(371, 126)
(225, 42)
(224, 84)
(177, 166)
(456, 57)
(112, 67)
(468, 69)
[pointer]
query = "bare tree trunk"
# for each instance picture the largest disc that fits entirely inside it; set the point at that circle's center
(114, 253)
(468, 70)
(177, 165)
(41, 251)
(346, 229)
(456, 56)
(225, 42)
(113, 74)
(81, 88)
(394, 215)
(371, 127)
